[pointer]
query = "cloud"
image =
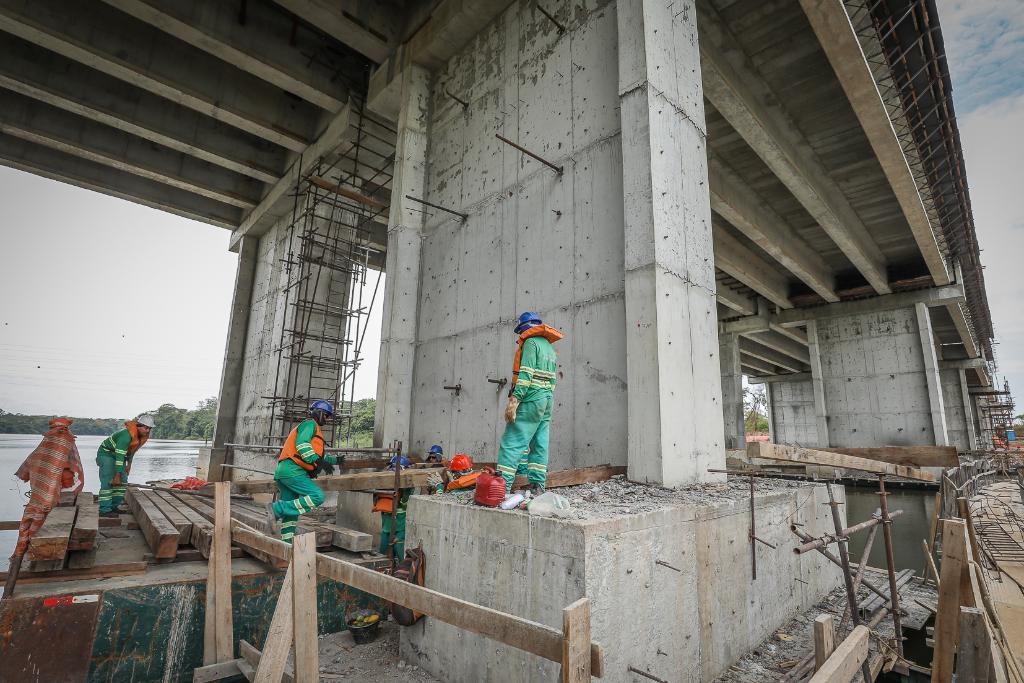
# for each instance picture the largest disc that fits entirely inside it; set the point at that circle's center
(984, 42)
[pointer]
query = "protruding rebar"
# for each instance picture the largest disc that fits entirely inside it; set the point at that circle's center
(556, 169)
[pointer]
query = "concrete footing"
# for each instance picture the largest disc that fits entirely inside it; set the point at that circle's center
(670, 583)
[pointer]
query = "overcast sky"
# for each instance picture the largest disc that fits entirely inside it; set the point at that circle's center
(109, 308)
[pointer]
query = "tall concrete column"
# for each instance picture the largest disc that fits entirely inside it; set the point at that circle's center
(732, 390)
(674, 422)
(817, 384)
(234, 356)
(931, 373)
(972, 434)
(402, 267)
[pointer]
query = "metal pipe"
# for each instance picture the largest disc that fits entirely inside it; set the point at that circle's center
(890, 564)
(257, 447)
(830, 538)
(844, 556)
(556, 169)
(558, 24)
(424, 202)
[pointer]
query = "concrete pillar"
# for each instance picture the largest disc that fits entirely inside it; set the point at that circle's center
(732, 390)
(401, 291)
(674, 421)
(972, 434)
(931, 373)
(817, 384)
(234, 355)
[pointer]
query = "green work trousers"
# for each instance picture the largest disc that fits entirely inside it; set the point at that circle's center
(110, 496)
(385, 533)
(297, 496)
(529, 431)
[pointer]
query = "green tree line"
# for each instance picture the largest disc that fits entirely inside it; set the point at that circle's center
(171, 422)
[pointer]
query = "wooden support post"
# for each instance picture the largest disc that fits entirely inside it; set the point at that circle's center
(929, 562)
(974, 656)
(847, 659)
(947, 621)
(824, 639)
(303, 569)
(210, 621)
(224, 632)
(279, 636)
(576, 642)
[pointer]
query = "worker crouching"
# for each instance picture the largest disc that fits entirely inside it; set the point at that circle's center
(459, 476)
(114, 459)
(301, 460)
(384, 503)
(531, 398)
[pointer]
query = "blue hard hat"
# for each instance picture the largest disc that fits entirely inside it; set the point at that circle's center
(437, 449)
(405, 462)
(322, 405)
(526, 321)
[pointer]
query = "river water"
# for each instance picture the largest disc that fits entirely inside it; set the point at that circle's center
(158, 459)
(908, 530)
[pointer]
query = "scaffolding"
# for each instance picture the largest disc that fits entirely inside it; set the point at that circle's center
(335, 236)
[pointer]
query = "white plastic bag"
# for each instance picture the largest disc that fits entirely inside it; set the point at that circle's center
(549, 505)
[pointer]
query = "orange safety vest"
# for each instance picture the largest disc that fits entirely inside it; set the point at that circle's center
(466, 481)
(542, 330)
(137, 441)
(290, 451)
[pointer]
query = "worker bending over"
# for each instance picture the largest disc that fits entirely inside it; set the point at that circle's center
(460, 475)
(301, 460)
(528, 413)
(114, 459)
(384, 503)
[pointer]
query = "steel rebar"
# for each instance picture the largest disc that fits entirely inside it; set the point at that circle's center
(844, 556)
(890, 564)
(828, 539)
(556, 169)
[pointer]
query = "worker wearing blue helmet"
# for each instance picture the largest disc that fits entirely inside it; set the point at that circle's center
(530, 400)
(384, 502)
(435, 454)
(301, 460)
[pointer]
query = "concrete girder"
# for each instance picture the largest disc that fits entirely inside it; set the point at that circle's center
(369, 27)
(963, 364)
(794, 377)
(51, 78)
(735, 301)
(732, 85)
(50, 163)
(777, 342)
(38, 123)
(258, 47)
(956, 312)
(839, 41)
(933, 296)
(734, 201)
(109, 41)
(750, 363)
(755, 349)
(275, 203)
(744, 265)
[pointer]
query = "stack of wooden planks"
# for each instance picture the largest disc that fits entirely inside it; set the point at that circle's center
(67, 535)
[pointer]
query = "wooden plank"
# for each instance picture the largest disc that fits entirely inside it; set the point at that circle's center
(87, 525)
(180, 522)
(809, 456)
(846, 660)
(947, 621)
(252, 657)
(307, 657)
(914, 456)
(50, 542)
(824, 639)
(160, 534)
(216, 672)
(974, 656)
(201, 536)
(350, 539)
(357, 481)
(210, 615)
(279, 636)
(930, 562)
(520, 633)
(583, 475)
(67, 499)
(95, 572)
(225, 635)
(576, 642)
(82, 559)
(85, 498)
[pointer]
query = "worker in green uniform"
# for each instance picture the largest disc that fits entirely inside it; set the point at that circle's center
(383, 502)
(528, 413)
(301, 460)
(114, 459)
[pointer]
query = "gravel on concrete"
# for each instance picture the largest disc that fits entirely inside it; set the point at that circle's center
(377, 662)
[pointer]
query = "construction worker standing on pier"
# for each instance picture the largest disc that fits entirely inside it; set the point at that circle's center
(302, 459)
(114, 458)
(528, 413)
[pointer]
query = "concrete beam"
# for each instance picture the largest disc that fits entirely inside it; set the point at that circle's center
(37, 123)
(275, 203)
(50, 163)
(963, 364)
(931, 373)
(755, 349)
(842, 47)
(756, 365)
(934, 296)
(732, 390)
(368, 27)
(734, 300)
(769, 379)
(777, 342)
(733, 200)
(733, 86)
(115, 44)
(817, 385)
(743, 264)
(956, 312)
(48, 77)
(258, 47)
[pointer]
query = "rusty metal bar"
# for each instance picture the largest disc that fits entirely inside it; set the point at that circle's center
(890, 564)
(844, 557)
(556, 169)
(424, 202)
(848, 531)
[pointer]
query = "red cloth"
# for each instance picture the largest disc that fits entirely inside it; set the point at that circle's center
(46, 469)
(189, 484)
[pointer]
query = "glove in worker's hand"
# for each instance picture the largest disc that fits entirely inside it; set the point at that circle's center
(435, 482)
(511, 408)
(326, 467)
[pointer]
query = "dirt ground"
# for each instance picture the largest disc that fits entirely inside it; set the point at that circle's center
(342, 660)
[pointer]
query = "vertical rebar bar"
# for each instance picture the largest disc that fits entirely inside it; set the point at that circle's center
(753, 541)
(890, 564)
(844, 557)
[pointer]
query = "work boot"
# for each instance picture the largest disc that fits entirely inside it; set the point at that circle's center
(110, 513)
(536, 490)
(273, 529)
(123, 510)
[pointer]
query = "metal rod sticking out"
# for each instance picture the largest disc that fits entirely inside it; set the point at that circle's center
(890, 564)
(556, 169)
(393, 541)
(461, 101)
(844, 556)
(424, 202)
(558, 24)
